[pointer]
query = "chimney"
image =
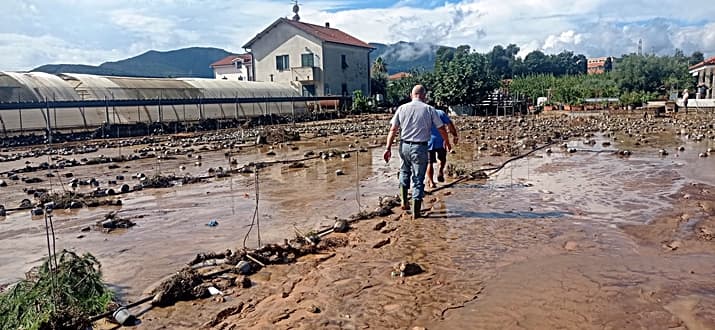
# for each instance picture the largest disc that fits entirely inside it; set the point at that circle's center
(327, 24)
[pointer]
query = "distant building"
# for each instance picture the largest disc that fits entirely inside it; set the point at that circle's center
(398, 76)
(318, 60)
(705, 73)
(599, 65)
(233, 67)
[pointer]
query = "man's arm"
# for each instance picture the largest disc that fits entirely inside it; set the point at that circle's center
(445, 137)
(388, 147)
(453, 130)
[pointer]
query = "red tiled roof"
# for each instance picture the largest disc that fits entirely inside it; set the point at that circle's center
(596, 64)
(321, 32)
(328, 34)
(710, 61)
(398, 75)
(228, 60)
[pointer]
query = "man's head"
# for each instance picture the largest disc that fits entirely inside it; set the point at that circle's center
(419, 92)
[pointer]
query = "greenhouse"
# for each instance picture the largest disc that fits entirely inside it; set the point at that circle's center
(37, 101)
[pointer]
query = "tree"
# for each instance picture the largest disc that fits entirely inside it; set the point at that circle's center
(652, 74)
(398, 91)
(608, 66)
(379, 66)
(537, 63)
(465, 80)
(378, 77)
(501, 60)
(696, 58)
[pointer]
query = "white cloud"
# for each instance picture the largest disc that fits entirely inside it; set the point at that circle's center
(16, 55)
(90, 31)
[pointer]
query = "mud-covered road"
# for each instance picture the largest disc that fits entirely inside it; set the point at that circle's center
(582, 235)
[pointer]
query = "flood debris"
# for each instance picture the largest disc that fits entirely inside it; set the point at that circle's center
(185, 285)
(405, 269)
(202, 257)
(111, 222)
(61, 297)
(341, 226)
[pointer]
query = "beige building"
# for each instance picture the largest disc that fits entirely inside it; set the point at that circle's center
(317, 60)
(705, 73)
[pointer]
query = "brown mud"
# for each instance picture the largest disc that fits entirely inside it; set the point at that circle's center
(562, 239)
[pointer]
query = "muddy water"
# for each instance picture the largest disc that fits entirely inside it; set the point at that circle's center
(553, 255)
(539, 245)
(171, 222)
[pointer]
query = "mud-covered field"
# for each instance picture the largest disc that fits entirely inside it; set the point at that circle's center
(610, 226)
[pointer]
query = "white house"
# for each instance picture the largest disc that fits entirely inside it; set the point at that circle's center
(233, 67)
(318, 60)
(705, 71)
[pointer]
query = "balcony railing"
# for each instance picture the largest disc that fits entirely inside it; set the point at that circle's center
(305, 74)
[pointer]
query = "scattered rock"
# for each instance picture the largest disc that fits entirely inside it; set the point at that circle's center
(381, 243)
(243, 267)
(339, 172)
(25, 204)
(672, 246)
(3, 183)
(405, 269)
(380, 225)
(243, 282)
(85, 229)
(297, 165)
(341, 226)
(570, 246)
(37, 211)
(314, 309)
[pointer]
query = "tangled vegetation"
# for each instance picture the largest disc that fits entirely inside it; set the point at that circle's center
(62, 297)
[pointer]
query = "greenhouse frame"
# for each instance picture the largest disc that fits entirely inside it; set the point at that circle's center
(40, 101)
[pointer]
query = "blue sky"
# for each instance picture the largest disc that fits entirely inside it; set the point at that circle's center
(36, 32)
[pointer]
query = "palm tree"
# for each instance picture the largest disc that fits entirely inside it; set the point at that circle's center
(379, 66)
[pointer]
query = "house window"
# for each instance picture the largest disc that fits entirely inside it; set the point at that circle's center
(327, 89)
(307, 60)
(344, 61)
(238, 64)
(282, 63)
(345, 89)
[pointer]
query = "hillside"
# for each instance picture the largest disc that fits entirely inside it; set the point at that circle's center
(195, 61)
(405, 56)
(187, 62)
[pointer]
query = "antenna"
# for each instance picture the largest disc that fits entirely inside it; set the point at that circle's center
(296, 9)
(640, 46)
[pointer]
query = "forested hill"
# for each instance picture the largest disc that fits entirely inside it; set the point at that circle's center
(187, 62)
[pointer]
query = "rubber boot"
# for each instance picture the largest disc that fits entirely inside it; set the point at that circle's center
(405, 203)
(416, 209)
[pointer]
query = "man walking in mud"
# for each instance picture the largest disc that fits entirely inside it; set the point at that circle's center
(415, 121)
(437, 150)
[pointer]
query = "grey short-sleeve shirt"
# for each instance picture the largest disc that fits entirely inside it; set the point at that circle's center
(416, 119)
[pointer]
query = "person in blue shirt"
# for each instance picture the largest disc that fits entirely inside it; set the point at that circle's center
(437, 151)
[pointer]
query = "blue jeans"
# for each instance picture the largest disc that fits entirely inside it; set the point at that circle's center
(413, 166)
